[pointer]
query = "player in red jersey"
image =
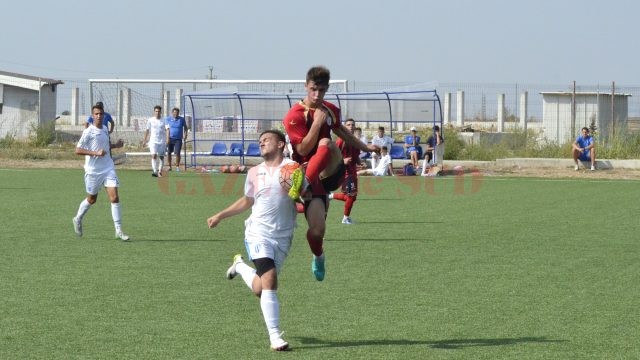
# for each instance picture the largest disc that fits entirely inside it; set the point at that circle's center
(351, 159)
(309, 124)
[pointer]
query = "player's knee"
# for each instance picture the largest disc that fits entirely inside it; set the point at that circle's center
(92, 199)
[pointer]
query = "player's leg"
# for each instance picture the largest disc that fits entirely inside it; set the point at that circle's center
(592, 156)
(316, 213)
(576, 155)
(169, 151)
(178, 149)
(319, 162)
(91, 187)
(111, 184)
(154, 160)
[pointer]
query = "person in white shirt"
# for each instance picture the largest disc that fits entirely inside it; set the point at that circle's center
(380, 139)
(156, 135)
(384, 166)
(268, 230)
(99, 170)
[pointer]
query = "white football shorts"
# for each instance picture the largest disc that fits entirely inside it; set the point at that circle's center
(276, 249)
(159, 149)
(93, 182)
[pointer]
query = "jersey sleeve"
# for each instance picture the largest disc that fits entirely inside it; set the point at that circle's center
(295, 126)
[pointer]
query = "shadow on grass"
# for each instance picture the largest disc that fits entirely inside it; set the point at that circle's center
(369, 239)
(178, 240)
(450, 344)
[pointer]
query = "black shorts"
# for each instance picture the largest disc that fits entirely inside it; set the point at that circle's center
(334, 181)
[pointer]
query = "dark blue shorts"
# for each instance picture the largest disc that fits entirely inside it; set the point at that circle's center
(175, 145)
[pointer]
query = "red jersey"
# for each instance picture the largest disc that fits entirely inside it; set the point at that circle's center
(352, 152)
(298, 121)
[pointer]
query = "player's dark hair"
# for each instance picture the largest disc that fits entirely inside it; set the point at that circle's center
(381, 128)
(350, 119)
(175, 109)
(585, 128)
(96, 106)
(277, 133)
(157, 107)
(319, 75)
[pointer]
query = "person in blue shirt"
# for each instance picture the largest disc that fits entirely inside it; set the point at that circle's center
(176, 134)
(584, 149)
(412, 147)
(107, 120)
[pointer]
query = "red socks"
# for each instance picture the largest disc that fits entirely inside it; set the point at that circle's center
(317, 163)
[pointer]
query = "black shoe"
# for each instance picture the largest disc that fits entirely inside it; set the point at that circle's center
(154, 174)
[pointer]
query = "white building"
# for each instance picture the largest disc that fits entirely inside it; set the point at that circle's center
(590, 108)
(25, 102)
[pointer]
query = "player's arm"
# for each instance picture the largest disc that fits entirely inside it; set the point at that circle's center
(350, 139)
(111, 124)
(310, 140)
(238, 207)
(145, 137)
(186, 130)
(83, 151)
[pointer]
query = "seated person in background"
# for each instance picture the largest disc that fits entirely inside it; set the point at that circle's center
(380, 139)
(584, 149)
(383, 167)
(433, 141)
(357, 132)
(411, 144)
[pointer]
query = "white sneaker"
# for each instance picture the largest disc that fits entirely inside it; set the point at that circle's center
(122, 236)
(231, 272)
(278, 343)
(77, 226)
(330, 196)
(347, 221)
(576, 167)
(593, 168)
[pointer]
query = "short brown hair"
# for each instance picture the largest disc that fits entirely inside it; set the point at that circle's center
(319, 75)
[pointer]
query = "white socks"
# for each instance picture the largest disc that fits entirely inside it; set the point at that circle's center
(247, 273)
(271, 311)
(153, 165)
(115, 214)
(82, 210)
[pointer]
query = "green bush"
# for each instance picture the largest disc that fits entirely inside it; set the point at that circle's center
(42, 134)
(8, 141)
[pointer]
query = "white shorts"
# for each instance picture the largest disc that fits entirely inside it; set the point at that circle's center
(276, 249)
(93, 182)
(159, 149)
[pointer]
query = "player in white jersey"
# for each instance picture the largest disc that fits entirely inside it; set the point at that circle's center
(99, 170)
(156, 136)
(268, 230)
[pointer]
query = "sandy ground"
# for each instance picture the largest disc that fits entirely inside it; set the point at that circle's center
(142, 163)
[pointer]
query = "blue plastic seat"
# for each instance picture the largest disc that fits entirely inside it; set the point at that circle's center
(236, 149)
(253, 149)
(219, 149)
(397, 152)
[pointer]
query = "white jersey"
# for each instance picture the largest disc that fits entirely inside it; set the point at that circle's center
(94, 139)
(157, 131)
(383, 165)
(382, 141)
(273, 215)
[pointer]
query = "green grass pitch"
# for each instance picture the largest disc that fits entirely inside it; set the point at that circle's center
(466, 267)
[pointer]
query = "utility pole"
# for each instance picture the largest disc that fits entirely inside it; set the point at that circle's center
(210, 77)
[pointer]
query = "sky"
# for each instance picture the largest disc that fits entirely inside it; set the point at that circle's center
(491, 41)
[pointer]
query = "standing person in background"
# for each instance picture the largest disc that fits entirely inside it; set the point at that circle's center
(99, 170)
(380, 140)
(156, 136)
(268, 233)
(107, 121)
(584, 149)
(176, 134)
(351, 156)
